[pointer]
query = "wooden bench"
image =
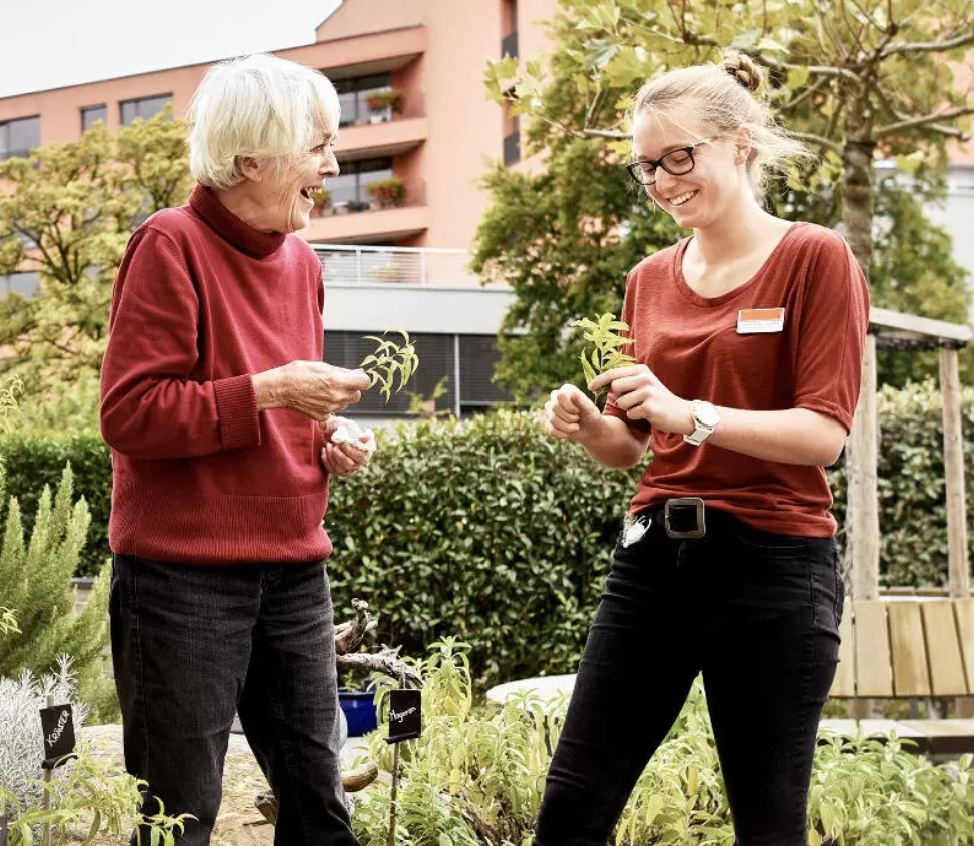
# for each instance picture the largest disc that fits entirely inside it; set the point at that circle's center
(899, 649)
(904, 649)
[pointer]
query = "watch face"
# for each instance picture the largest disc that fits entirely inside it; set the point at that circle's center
(706, 414)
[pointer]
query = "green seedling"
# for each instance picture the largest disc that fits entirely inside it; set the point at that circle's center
(389, 361)
(606, 347)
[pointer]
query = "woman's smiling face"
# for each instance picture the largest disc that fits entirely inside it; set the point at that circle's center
(286, 193)
(697, 197)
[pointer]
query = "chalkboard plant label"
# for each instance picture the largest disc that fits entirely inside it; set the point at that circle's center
(58, 726)
(405, 715)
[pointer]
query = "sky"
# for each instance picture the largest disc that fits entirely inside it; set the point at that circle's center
(52, 43)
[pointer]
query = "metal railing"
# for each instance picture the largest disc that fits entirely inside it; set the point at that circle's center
(352, 265)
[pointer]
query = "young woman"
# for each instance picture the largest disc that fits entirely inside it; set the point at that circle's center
(749, 337)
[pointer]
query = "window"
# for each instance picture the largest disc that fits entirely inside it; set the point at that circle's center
(512, 136)
(26, 284)
(19, 137)
(509, 28)
(478, 358)
(351, 185)
(466, 362)
(145, 108)
(354, 93)
(90, 115)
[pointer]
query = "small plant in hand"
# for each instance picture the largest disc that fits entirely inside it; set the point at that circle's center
(605, 352)
(392, 365)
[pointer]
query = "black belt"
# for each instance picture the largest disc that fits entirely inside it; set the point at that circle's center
(683, 518)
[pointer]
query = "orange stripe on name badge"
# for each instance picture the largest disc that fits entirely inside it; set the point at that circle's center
(752, 321)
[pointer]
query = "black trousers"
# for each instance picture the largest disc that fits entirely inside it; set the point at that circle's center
(757, 614)
(192, 644)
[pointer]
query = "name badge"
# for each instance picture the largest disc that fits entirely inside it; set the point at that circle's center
(755, 321)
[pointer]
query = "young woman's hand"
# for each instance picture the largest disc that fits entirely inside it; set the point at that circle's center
(570, 414)
(638, 392)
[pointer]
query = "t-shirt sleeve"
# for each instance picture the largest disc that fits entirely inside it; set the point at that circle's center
(832, 332)
(641, 427)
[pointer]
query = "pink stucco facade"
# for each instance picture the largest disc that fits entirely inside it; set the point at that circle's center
(434, 51)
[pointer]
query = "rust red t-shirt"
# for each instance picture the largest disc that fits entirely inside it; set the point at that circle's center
(693, 345)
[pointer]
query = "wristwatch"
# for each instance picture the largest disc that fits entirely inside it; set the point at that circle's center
(705, 418)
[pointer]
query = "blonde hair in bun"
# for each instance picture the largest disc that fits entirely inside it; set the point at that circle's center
(728, 96)
(744, 71)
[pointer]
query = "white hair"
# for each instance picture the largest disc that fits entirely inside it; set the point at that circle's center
(257, 106)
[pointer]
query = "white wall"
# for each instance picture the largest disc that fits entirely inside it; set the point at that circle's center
(958, 216)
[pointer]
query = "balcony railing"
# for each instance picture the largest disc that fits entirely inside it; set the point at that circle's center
(352, 265)
(411, 106)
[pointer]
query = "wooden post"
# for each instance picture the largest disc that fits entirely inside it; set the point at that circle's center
(863, 488)
(960, 585)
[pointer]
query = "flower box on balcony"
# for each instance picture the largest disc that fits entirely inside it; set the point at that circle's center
(389, 192)
(322, 203)
(392, 100)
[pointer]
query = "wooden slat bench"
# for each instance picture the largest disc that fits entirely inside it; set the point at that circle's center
(890, 649)
(905, 649)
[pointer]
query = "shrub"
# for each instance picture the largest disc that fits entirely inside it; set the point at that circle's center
(482, 526)
(35, 579)
(35, 459)
(83, 791)
(489, 528)
(477, 777)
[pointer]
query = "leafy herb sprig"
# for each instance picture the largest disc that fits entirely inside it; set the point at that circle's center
(606, 345)
(389, 361)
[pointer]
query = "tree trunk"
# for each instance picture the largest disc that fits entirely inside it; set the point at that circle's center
(857, 199)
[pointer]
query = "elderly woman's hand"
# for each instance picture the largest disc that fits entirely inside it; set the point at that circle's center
(352, 453)
(312, 388)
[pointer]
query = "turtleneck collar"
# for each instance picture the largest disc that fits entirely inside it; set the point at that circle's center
(231, 228)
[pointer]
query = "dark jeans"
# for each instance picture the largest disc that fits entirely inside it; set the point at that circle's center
(755, 612)
(192, 644)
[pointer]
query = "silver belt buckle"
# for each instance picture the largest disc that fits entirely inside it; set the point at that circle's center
(701, 529)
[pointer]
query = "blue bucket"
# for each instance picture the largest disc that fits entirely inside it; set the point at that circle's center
(359, 709)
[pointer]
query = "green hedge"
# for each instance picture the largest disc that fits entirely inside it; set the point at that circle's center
(490, 529)
(35, 459)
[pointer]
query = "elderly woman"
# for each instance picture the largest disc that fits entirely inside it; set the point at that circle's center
(218, 410)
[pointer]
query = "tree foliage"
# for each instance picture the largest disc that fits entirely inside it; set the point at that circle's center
(67, 213)
(856, 79)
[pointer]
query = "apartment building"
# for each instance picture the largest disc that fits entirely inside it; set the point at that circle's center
(416, 132)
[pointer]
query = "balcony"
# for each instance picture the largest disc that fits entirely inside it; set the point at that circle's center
(364, 214)
(383, 138)
(420, 290)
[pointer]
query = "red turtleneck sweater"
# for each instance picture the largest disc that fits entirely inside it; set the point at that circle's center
(202, 302)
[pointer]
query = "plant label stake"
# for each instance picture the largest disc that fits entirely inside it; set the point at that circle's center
(3, 830)
(58, 726)
(405, 723)
(405, 715)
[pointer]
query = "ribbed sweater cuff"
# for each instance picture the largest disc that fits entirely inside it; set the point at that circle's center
(236, 404)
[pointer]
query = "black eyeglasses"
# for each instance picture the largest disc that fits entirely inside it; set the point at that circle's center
(676, 162)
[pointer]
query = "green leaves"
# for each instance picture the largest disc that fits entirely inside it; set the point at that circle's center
(391, 362)
(606, 345)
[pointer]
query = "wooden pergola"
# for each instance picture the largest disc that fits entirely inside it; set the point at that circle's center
(906, 331)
